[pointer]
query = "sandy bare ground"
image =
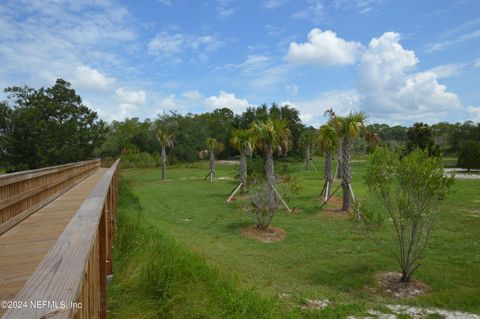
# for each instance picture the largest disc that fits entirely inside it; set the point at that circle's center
(461, 173)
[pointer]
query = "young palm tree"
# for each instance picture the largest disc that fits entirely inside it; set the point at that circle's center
(166, 140)
(214, 146)
(271, 136)
(243, 142)
(334, 121)
(328, 139)
(349, 129)
(308, 139)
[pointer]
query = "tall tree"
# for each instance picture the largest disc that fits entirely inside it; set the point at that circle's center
(420, 135)
(166, 140)
(308, 139)
(469, 155)
(214, 146)
(328, 139)
(271, 136)
(349, 129)
(49, 126)
(242, 141)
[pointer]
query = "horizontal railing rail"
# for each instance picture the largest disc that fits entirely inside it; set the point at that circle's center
(70, 282)
(23, 193)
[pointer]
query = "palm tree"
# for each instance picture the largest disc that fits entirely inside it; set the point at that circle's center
(271, 136)
(243, 142)
(349, 129)
(214, 146)
(328, 139)
(308, 139)
(334, 121)
(166, 140)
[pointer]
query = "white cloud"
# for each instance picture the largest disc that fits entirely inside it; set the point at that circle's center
(166, 45)
(446, 70)
(137, 98)
(315, 11)
(291, 89)
(224, 8)
(165, 2)
(387, 89)
(224, 99)
(474, 112)
(87, 77)
(192, 95)
(477, 63)
(362, 6)
(324, 48)
(432, 47)
(272, 4)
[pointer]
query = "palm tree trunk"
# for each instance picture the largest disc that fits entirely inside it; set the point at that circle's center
(243, 169)
(270, 173)
(307, 157)
(340, 165)
(346, 173)
(328, 171)
(212, 165)
(164, 162)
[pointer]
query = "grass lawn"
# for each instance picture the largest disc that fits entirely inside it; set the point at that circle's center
(322, 257)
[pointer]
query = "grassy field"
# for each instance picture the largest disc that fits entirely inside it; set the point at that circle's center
(180, 253)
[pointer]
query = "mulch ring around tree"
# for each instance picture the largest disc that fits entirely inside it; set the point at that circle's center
(269, 235)
(389, 284)
(333, 208)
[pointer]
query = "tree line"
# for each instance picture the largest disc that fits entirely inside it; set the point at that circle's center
(51, 126)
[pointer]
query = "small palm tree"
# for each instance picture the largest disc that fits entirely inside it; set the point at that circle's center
(349, 129)
(328, 139)
(271, 136)
(308, 139)
(166, 140)
(242, 141)
(214, 146)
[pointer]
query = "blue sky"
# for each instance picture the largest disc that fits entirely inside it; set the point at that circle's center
(398, 61)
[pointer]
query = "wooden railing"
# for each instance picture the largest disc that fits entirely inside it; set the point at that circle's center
(23, 193)
(70, 282)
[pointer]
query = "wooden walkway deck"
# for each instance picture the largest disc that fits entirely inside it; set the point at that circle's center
(23, 247)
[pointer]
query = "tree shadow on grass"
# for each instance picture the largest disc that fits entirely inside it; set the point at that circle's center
(235, 226)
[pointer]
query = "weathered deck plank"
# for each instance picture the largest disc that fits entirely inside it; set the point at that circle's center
(24, 246)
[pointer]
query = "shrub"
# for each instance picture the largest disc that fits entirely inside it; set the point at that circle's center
(258, 201)
(140, 160)
(410, 189)
(469, 155)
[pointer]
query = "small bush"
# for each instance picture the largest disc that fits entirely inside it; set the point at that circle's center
(140, 160)
(258, 201)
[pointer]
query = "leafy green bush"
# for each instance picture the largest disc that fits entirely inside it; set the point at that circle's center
(469, 155)
(140, 160)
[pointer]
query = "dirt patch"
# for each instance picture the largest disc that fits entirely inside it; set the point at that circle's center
(227, 162)
(269, 235)
(333, 208)
(389, 284)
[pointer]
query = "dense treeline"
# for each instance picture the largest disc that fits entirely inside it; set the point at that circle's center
(49, 126)
(45, 127)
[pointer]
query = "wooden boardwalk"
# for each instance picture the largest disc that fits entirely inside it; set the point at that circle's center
(23, 247)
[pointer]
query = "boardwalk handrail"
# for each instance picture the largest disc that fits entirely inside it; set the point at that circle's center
(70, 282)
(23, 193)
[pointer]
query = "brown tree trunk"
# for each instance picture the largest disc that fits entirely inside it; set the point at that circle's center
(307, 157)
(270, 174)
(164, 162)
(339, 171)
(212, 165)
(328, 171)
(243, 169)
(346, 173)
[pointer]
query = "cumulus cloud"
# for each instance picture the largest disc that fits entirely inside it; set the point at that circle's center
(192, 95)
(87, 77)
(388, 87)
(224, 99)
(324, 48)
(225, 8)
(474, 112)
(129, 102)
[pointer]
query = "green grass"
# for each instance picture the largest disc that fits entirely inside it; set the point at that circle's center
(184, 230)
